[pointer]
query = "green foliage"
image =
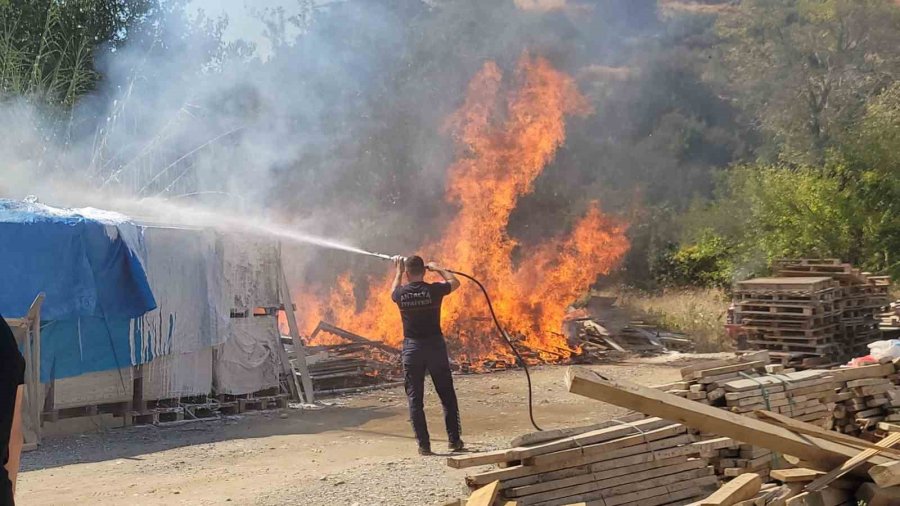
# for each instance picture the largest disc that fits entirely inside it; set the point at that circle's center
(804, 69)
(48, 49)
(704, 262)
(874, 144)
(806, 212)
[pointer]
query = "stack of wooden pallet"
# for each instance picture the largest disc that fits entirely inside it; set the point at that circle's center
(863, 298)
(643, 461)
(796, 319)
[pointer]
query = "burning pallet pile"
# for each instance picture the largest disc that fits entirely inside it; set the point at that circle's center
(355, 363)
(817, 313)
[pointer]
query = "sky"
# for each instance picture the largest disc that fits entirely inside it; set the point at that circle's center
(242, 24)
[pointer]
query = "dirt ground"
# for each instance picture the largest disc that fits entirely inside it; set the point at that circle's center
(354, 450)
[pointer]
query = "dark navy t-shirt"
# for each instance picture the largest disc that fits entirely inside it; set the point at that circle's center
(12, 374)
(420, 308)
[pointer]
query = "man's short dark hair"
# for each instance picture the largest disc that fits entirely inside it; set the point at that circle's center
(415, 265)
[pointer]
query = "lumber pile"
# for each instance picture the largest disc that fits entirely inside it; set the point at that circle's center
(864, 397)
(747, 383)
(637, 461)
(836, 469)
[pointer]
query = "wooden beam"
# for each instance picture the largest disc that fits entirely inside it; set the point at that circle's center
(662, 466)
(533, 438)
(815, 430)
(710, 419)
(795, 475)
(299, 350)
(823, 481)
(624, 483)
(606, 446)
(873, 495)
(588, 438)
(866, 371)
(826, 497)
(758, 356)
(728, 369)
(886, 474)
(655, 450)
(741, 488)
(485, 495)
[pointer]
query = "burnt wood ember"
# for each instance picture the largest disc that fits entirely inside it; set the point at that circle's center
(360, 362)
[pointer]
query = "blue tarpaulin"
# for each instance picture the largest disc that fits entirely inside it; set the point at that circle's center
(88, 263)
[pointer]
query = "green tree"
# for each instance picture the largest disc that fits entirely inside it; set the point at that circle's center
(48, 48)
(804, 69)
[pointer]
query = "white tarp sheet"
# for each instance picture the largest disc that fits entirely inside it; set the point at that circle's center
(198, 276)
(247, 361)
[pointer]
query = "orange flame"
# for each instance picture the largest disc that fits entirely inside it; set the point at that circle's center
(504, 142)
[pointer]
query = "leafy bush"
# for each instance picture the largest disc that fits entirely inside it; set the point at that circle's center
(705, 262)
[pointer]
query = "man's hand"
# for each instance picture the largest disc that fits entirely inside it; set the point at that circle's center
(400, 263)
(447, 275)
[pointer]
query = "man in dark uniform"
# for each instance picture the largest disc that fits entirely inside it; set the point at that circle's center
(424, 349)
(12, 376)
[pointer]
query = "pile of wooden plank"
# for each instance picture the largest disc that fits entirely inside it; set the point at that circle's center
(796, 319)
(839, 469)
(747, 383)
(864, 397)
(705, 382)
(636, 461)
(862, 299)
(597, 342)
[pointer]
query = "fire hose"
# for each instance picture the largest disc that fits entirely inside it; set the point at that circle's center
(519, 360)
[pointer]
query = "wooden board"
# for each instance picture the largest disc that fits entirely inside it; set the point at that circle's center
(656, 466)
(601, 448)
(795, 475)
(667, 448)
(485, 495)
(709, 419)
(814, 430)
(627, 483)
(823, 481)
(759, 356)
(643, 496)
(533, 438)
(741, 488)
(876, 496)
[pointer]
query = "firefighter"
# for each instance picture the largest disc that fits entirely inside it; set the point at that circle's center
(424, 348)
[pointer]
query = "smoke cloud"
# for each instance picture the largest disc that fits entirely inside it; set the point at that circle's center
(332, 116)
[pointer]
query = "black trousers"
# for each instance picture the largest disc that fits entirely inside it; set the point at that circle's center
(429, 355)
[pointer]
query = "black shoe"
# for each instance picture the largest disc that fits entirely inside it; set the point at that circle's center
(457, 445)
(425, 451)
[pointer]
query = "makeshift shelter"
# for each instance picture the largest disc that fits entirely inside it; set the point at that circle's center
(138, 312)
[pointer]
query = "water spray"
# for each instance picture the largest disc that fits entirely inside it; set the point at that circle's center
(519, 360)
